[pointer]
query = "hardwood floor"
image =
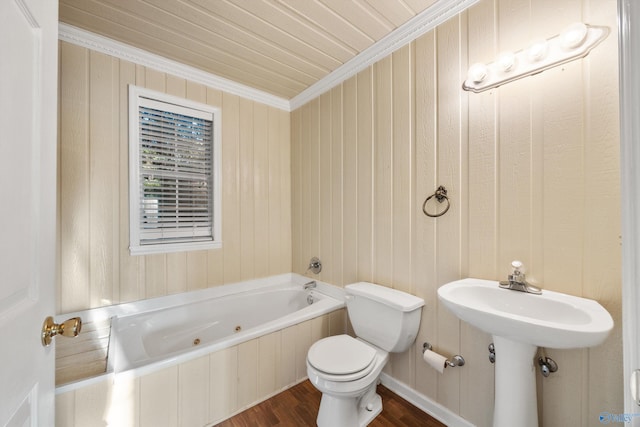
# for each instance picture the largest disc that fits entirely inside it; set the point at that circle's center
(298, 406)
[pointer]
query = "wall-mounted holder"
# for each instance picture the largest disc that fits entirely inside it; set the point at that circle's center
(441, 196)
(450, 362)
(315, 266)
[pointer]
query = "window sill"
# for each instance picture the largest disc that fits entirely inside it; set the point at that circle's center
(173, 247)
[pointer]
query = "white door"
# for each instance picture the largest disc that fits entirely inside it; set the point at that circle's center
(28, 117)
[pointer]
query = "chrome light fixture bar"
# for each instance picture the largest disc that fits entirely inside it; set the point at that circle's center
(574, 42)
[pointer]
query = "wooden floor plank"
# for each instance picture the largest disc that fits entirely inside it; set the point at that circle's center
(298, 406)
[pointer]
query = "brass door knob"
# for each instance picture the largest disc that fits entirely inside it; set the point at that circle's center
(69, 328)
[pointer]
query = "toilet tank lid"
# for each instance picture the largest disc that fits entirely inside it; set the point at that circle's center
(392, 297)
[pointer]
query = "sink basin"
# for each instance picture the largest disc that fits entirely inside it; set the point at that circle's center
(553, 319)
(520, 323)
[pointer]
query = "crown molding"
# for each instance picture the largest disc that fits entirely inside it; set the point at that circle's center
(120, 50)
(421, 24)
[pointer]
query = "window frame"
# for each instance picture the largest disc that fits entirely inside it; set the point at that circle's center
(136, 94)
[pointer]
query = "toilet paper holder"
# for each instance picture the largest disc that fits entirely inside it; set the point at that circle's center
(451, 362)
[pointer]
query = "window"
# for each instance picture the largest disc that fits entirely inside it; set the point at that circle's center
(174, 180)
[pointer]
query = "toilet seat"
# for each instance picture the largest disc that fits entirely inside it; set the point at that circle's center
(341, 358)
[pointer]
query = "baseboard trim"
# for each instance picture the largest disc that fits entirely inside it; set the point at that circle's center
(436, 410)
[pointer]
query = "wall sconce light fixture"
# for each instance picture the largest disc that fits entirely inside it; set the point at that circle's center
(574, 42)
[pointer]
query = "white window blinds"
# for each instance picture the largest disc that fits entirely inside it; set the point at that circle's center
(174, 169)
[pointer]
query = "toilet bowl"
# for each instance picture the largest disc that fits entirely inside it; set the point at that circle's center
(346, 369)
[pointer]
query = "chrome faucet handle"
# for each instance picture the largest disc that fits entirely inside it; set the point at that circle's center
(315, 265)
(516, 280)
(517, 265)
(517, 273)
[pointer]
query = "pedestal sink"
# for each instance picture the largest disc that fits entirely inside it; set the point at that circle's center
(520, 323)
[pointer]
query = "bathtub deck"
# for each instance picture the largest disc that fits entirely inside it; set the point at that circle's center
(298, 406)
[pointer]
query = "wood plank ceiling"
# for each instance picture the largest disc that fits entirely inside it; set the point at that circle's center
(277, 46)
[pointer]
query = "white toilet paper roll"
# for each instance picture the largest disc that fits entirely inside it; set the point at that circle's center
(435, 360)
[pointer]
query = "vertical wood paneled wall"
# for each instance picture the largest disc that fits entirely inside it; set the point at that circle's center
(95, 266)
(532, 171)
(203, 391)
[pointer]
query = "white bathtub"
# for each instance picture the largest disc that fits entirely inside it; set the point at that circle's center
(154, 334)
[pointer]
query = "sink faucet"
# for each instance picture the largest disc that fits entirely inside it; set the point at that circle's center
(310, 285)
(517, 281)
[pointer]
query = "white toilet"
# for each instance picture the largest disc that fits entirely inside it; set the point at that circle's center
(346, 369)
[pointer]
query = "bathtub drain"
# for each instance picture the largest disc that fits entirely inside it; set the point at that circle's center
(238, 328)
(196, 341)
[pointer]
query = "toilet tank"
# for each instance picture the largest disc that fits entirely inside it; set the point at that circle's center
(384, 317)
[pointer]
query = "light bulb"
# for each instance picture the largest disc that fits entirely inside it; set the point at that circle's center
(477, 72)
(507, 61)
(573, 36)
(537, 51)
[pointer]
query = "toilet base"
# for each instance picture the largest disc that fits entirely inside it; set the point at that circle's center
(349, 411)
(367, 415)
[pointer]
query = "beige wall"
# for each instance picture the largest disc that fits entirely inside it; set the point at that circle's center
(531, 168)
(95, 266)
(532, 172)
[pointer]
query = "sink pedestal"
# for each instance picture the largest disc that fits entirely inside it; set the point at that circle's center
(515, 384)
(551, 320)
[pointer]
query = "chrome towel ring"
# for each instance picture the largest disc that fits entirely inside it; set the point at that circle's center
(441, 196)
